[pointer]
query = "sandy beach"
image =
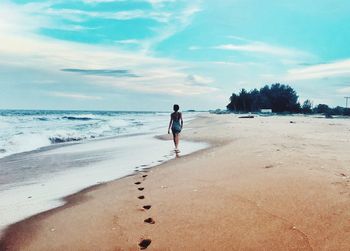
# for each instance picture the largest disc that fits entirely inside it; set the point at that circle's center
(266, 183)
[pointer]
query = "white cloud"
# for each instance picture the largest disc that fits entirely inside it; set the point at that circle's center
(155, 3)
(17, 18)
(79, 96)
(156, 75)
(263, 48)
(194, 48)
(21, 46)
(164, 80)
(177, 21)
(128, 41)
(345, 90)
(239, 38)
(39, 15)
(159, 3)
(199, 80)
(334, 69)
(102, 1)
(77, 15)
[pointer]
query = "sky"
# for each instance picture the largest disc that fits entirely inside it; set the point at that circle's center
(150, 54)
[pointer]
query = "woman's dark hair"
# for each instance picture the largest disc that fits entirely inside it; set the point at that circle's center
(176, 108)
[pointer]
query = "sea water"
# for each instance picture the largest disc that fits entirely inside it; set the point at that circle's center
(26, 130)
(46, 155)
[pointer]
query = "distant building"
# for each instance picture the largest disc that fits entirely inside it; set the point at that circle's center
(266, 110)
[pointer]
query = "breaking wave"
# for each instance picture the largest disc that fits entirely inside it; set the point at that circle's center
(23, 131)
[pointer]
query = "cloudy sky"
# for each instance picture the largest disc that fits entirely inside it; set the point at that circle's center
(149, 54)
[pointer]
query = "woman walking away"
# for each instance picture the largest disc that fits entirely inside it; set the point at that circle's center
(176, 124)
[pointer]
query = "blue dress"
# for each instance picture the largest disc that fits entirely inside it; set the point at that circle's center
(176, 126)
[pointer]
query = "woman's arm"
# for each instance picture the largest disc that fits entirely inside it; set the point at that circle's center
(182, 122)
(170, 122)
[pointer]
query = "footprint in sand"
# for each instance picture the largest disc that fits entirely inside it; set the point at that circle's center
(145, 243)
(149, 220)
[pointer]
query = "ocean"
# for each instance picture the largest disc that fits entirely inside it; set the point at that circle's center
(46, 155)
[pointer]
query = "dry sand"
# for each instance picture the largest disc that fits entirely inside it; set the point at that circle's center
(266, 184)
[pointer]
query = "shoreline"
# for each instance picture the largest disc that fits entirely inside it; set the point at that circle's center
(9, 236)
(58, 168)
(275, 190)
(81, 195)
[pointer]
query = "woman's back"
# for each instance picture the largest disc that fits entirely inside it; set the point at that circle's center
(176, 116)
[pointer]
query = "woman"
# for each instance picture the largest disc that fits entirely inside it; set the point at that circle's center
(176, 124)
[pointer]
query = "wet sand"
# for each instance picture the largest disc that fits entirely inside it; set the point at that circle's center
(265, 184)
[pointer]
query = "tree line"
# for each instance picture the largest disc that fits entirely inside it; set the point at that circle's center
(281, 99)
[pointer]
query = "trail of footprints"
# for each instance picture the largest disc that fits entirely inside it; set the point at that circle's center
(144, 243)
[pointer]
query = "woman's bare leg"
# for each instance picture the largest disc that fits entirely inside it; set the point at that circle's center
(176, 141)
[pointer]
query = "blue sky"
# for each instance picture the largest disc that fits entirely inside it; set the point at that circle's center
(149, 54)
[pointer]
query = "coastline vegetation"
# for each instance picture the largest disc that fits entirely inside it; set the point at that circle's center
(279, 98)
